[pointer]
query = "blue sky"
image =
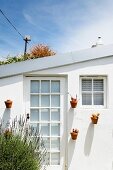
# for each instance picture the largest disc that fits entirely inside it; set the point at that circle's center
(64, 25)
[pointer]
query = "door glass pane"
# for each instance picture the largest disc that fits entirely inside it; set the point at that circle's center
(55, 129)
(34, 86)
(46, 160)
(45, 100)
(34, 128)
(99, 99)
(55, 144)
(45, 114)
(47, 143)
(34, 115)
(45, 129)
(86, 99)
(45, 86)
(86, 85)
(55, 100)
(55, 114)
(55, 158)
(55, 86)
(34, 100)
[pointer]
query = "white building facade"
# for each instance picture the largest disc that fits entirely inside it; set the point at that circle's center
(43, 88)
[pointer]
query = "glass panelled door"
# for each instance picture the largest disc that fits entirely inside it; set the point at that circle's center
(46, 113)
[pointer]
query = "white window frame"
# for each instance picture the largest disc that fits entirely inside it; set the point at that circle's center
(104, 91)
(62, 115)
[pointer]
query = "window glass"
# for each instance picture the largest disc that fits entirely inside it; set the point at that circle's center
(92, 90)
(45, 86)
(86, 99)
(55, 144)
(45, 129)
(98, 99)
(55, 100)
(55, 114)
(35, 86)
(34, 100)
(55, 129)
(45, 114)
(35, 128)
(55, 86)
(34, 116)
(98, 85)
(86, 85)
(55, 158)
(47, 143)
(45, 100)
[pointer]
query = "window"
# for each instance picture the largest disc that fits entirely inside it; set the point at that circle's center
(45, 113)
(93, 91)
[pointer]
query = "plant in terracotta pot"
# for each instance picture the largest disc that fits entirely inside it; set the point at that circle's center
(74, 134)
(74, 102)
(94, 118)
(8, 103)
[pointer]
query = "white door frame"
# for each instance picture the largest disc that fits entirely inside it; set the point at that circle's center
(63, 117)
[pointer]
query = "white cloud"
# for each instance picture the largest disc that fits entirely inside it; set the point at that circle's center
(28, 18)
(98, 21)
(79, 23)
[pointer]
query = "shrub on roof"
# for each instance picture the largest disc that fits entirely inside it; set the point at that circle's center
(41, 50)
(37, 51)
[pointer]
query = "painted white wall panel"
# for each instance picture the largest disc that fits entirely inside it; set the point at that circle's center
(93, 149)
(11, 88)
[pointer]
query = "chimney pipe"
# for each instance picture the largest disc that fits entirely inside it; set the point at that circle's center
(99, 41)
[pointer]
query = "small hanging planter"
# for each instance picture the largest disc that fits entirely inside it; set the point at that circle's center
(74, 134)
(73, 102)
(8, 103)
(94, 118)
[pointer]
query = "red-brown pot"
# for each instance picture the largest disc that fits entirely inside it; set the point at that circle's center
(73, 103)
(8, 103)
(74, 135)
(94, 120)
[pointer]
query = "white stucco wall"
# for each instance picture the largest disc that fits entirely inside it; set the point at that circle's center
(11, 88)
(93, 150)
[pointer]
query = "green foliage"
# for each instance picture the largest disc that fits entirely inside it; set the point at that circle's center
(16, 154)
(14, 59)
(37, 51)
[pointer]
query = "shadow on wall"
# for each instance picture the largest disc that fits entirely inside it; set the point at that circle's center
(6, 118)
(71, 143)
(89, 139)
(71, 115)
(71, 146)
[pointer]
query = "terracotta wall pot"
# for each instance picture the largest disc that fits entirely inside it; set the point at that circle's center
(74, 135)
(94, 120)
(8, 103)
(73, 102)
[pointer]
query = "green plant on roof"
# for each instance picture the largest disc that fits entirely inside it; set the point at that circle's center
(37, 51)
